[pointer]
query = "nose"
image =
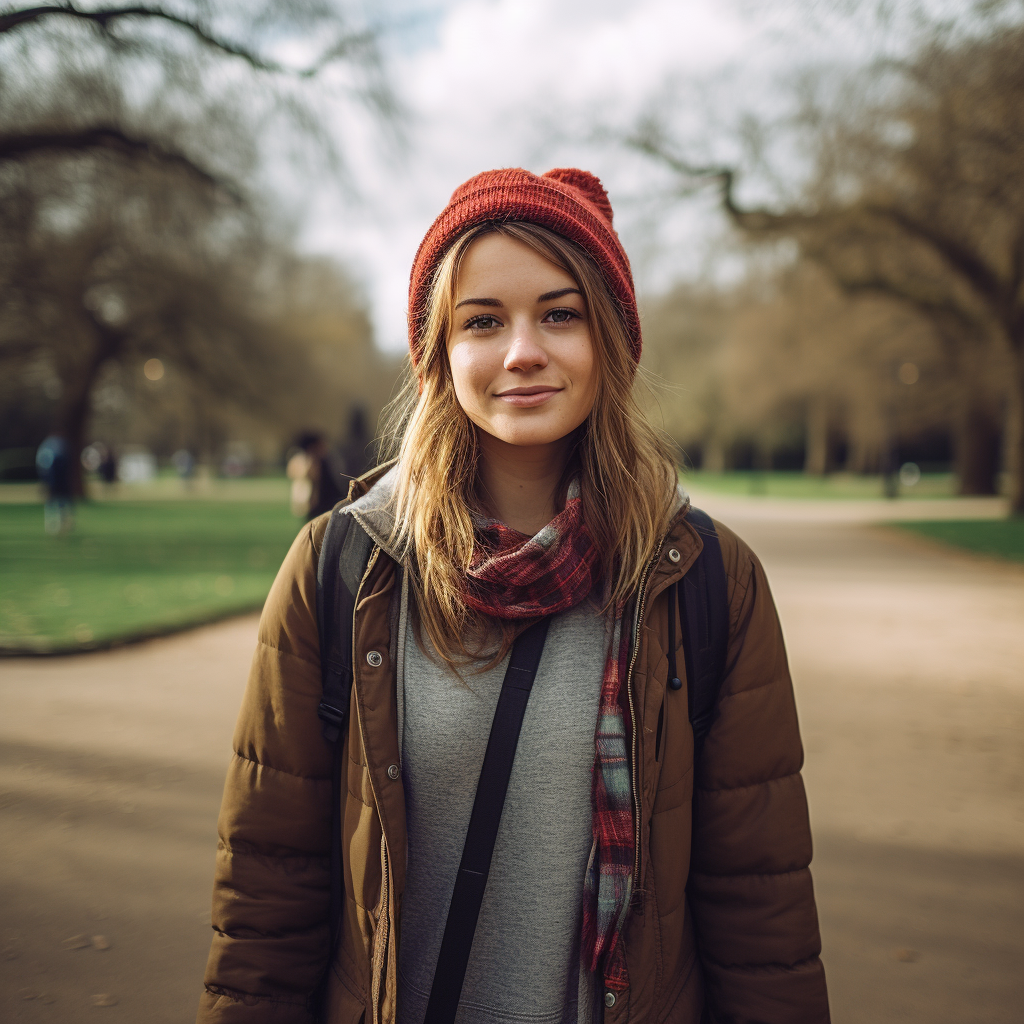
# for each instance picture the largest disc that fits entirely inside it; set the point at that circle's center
(525, 352)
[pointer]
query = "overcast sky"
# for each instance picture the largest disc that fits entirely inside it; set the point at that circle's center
(498, 83)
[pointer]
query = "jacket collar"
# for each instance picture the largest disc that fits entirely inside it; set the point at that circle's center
(372, 504)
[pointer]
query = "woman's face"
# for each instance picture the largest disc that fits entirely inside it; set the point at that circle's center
(520, 350)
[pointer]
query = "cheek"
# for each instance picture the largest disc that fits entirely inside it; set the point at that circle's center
(466, 372)
(585, 372)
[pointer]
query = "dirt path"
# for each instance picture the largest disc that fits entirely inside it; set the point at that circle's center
(909, 667)
(908, 663)
(112, 766)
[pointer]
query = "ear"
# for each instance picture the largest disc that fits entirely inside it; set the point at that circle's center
(587, 183)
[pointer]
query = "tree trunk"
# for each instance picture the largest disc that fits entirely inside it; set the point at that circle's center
(1015, 436)
(862, 452)
(72, 416)
(76, 404)
(816, 449)
(977, 433)
(713, 456)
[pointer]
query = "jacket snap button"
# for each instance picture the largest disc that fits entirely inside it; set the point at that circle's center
(609, 999)
(673, 555)
(374, 659)
(394, 771)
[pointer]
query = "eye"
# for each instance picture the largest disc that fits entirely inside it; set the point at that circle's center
(482, 323)
(562, 316)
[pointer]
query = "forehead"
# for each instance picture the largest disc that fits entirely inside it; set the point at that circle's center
(496, 262)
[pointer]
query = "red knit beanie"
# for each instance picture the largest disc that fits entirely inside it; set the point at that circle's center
(570, 202)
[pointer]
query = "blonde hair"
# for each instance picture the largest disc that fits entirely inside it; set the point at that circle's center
(627, 475)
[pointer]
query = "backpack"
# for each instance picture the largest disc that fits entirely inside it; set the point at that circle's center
(344, 559)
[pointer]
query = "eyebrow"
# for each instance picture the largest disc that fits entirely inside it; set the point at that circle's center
(546, 297)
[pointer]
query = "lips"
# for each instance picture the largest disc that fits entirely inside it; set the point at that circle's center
(528, 397)
(535, 389)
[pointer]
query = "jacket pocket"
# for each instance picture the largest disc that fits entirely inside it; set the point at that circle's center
(670, 839)
(341, 1004)
(684, 997)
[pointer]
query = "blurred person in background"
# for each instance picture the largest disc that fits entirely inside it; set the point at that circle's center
(630, 880)
(108, 468)
(297, 470)
(356, 453)
(316, 485)
(184, 464)
(53, 464)
(98, 458)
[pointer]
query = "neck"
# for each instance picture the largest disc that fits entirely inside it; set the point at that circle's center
(519, 485)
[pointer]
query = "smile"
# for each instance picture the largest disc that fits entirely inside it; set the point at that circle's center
(525, 398)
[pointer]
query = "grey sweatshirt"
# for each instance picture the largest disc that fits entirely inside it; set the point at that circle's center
(524, 965)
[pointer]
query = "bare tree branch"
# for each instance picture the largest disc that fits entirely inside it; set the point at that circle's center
(967, 264)
(344, 48)
(15, 147)
(931, 306)
(956, 255)
(694, 177)
(104, 17)
(648, 140)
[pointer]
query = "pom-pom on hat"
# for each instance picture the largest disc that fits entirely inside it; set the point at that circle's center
(568, 201)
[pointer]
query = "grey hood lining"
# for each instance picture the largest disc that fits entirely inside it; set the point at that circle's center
(375, 512)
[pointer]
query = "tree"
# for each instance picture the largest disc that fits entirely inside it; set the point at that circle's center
(247, 334)
(683, 335)
(310, 345)
(112, 27)
(788, 361)
(918, 194)
(132, 212)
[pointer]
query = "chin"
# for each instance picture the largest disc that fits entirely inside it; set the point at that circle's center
(531, 441)
(533, 436)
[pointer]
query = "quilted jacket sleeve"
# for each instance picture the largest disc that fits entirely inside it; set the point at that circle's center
(271, 889)
(750, 884)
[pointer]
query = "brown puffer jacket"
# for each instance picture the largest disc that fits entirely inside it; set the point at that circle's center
(725, 913)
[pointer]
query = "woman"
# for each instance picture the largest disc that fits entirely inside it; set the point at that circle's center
(527, 485)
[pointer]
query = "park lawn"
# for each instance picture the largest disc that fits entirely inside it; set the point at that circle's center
(781, 484)
(1000, 538)
(132, 569)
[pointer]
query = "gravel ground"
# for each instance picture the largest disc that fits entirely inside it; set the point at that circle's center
(909, 669)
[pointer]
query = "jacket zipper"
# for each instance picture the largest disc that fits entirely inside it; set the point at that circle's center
(383, 932)
(380, 945)
(640, 601)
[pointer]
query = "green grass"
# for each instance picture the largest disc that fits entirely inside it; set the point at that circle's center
(1001, 538)
(777, 484)
(133, 569)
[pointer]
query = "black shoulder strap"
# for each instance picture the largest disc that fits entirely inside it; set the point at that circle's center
(343, 558)
(705, 612)
(344, 555)
(471, 880)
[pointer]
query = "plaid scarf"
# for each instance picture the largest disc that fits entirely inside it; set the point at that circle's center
(513, 576)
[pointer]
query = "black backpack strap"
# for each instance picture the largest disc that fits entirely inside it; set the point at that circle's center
(471, 880)
(343, 559)
(704, 598)
(344, 556)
